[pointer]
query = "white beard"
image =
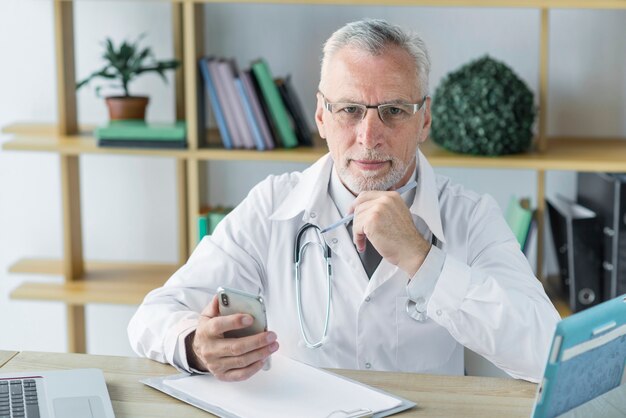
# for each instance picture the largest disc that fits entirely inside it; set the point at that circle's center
(367, 181)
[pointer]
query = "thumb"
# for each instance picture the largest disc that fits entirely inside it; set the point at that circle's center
(212, 309)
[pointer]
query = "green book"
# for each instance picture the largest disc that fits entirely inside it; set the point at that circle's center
(202, 226)
(215, 216)
(519, 219)
(274, 102)
(137, 130)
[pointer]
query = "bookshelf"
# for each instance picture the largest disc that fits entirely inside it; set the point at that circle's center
(87, 282)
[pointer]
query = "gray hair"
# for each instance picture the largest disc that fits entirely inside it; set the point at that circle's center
(374, 36)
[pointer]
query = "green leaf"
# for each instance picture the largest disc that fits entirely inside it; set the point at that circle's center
(127, 62)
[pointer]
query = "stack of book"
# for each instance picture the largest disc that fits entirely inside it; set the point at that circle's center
(208, 218)
(141, 134)
(251, 109)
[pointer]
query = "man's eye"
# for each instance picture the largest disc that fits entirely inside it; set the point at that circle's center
(394, 111)
(350, 110)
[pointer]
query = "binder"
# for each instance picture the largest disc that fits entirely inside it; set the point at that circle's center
(606, 194)
(215, 104)
(519, 218)
(226, 105)
(252, 122)
(259, 116)
(274, 102)
(558, 226)
(227, 70)
(577, 233)
(294, 108)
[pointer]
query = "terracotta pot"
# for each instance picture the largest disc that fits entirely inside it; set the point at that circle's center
(127, 107)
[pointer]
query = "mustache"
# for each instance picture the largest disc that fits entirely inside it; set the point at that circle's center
(369, 155)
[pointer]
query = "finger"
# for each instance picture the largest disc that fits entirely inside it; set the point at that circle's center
(238, 375)
(212, 309)
(232, 347)
(221, 324)
(364, 197)
(243, 361)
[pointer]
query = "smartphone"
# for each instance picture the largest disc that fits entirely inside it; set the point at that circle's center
(233, 301)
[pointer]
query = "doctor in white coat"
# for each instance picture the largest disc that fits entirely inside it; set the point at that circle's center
(414, 278)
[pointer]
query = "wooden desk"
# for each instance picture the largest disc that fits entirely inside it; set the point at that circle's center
(436, 396)
(6, 356)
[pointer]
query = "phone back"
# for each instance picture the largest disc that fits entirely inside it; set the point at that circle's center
(233, 301)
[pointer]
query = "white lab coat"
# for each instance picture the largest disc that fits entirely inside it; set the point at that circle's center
(476, 290)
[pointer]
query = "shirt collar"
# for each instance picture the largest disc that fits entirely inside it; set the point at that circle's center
(313, 189)
(426, 202)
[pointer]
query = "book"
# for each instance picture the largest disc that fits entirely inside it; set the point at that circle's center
(260, 117)
(215, 104)
(226, 105)
(250, 118)
(274, 102)
(605, 193)
(576, 235)
(519, 217)
(227, 71)
(296, 111)
(265, 110)
(209, 218)
(289, 389)
(203, 229)
(142, 143)
(139, 130)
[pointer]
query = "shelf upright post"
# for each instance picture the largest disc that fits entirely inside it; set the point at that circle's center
(181, 163)
(544, 40)
(540, 219)
(542, 142)
(73, 266)
(193, 48)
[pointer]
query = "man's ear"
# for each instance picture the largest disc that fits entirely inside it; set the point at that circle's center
(319, 116)
(426, 121)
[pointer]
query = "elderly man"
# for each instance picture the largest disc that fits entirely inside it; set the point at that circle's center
(414, 278)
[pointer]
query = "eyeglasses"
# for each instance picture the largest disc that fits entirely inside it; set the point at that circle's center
(391, 114)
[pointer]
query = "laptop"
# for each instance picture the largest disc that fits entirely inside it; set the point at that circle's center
(77, 393)
(585, 374)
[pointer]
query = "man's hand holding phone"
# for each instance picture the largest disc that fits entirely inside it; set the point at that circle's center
(228, 359)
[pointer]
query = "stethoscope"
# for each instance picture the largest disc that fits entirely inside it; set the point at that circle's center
(298, 251)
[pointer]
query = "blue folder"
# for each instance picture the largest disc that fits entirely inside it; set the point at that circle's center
(586, 360)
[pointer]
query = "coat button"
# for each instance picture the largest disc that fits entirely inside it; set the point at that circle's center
(367, 299)
(313, 215)
(334, 240)
(438, 312)
(368, 365)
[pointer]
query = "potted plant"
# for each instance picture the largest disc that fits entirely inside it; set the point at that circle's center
(123, 65)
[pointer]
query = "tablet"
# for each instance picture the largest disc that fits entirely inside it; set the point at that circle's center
(586, 359)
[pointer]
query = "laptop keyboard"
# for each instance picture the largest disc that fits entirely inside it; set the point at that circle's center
(18, 398)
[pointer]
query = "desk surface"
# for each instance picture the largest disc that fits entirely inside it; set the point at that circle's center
(436, 396)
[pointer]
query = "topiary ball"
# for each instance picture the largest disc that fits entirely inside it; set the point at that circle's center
(483, 108)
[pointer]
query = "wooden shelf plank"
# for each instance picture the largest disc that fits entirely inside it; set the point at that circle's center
(103, 282)
(551, 4)
(576, 154)
(82, 144)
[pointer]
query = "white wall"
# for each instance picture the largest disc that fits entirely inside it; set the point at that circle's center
(129, 202)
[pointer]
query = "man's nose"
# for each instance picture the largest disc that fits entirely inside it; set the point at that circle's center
(370, 130)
